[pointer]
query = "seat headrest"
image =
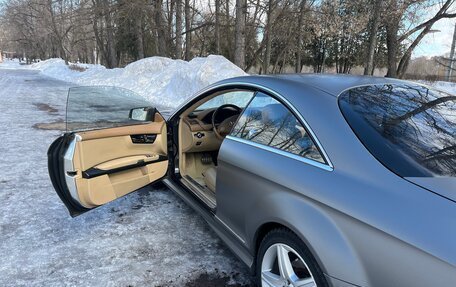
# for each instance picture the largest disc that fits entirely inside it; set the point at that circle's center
(273, 113)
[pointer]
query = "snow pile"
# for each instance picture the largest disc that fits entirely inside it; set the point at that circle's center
(10, 64)
(448, 87)
(161, 80)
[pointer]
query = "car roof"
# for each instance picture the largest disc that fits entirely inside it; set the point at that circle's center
(333, 84)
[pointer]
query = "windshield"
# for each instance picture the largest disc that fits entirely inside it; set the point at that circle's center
(238, 98)
(409, 128)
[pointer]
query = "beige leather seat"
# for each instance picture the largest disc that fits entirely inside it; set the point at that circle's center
(210, 176)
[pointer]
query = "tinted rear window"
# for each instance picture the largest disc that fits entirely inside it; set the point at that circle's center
(409, 128)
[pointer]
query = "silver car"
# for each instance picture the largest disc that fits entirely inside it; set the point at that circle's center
(311, 180)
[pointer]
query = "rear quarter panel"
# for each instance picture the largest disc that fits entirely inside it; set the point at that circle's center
(357, 232)
(364, 224)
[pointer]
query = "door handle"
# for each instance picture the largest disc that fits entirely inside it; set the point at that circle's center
(143, 139)
(72, 173)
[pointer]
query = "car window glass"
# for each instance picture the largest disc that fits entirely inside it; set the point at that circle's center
(268, 122)
(100, 107)
(410, 128)
(238, 98)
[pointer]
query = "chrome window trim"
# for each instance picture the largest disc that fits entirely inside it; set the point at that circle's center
(328, 166)
(282, 153)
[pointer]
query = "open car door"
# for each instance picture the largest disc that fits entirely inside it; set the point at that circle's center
(114, 144)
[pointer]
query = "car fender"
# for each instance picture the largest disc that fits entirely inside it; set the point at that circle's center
(324, 239)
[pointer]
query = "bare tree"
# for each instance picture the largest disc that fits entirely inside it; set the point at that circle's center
(179, 29)
(217, 26)
(188, 33)
(300, 36)
(260, 36)
(268, 36)
(449, 72)
(239, 45)
(372, 42)
(397, 65)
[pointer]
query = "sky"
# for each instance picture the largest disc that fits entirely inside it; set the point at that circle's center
(439, 42)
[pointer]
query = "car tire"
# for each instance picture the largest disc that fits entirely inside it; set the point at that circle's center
(285, 244)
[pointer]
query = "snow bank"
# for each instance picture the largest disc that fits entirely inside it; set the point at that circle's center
(161, 80)
(10, 64)
(443, 86)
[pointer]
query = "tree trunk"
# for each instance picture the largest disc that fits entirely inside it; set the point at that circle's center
(375, 21)
(102, 54)
(427, 26)
(451, 63)
(188, 33)
(392, 46)
(323, 60)
(227, 30)
(178, 29)
(112, 59)
(405, 60)
(298, 63)
(217, 27)
(170, 17)
(251, 39)
(161, 29)
(139, 36)
(239, 42)
(393, 40)
(57, 33)
(267, 35)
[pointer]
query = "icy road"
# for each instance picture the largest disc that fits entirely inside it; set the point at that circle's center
(148, 238)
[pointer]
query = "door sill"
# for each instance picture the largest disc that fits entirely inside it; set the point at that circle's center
(206, 195)
(239, 249)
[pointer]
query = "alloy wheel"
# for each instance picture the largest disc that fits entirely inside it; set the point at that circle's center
(282, 266)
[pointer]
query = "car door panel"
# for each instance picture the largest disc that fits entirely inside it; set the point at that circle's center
(97, 149)
(114, 155)
(108, 165)
(154, 127)
(124, 162)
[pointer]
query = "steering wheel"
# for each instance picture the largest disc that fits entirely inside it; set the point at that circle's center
(224, 128)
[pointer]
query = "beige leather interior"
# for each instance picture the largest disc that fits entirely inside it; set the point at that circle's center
(190, 142)
(197, 125)
(125, 161)
(192, 147)
(113, 148)
(152, 128)
(210, 176)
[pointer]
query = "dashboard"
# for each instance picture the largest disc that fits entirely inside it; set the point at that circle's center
(197, 134)
(205, 116)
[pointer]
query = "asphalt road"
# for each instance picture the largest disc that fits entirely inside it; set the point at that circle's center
(147, 238)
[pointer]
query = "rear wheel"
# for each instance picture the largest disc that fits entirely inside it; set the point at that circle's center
(283, 260)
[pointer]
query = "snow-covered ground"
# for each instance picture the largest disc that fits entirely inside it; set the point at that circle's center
(448, 87)
(148, 238)
(12, 64)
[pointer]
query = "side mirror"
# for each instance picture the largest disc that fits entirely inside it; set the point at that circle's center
(142, 114)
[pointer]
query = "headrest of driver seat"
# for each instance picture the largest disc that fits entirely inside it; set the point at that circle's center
(273, 113)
